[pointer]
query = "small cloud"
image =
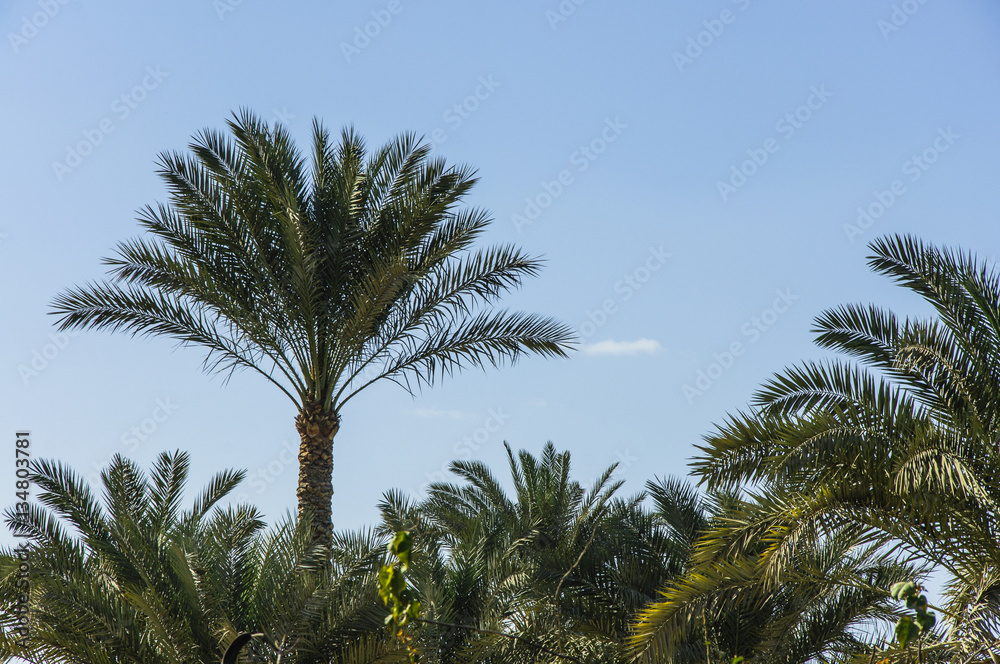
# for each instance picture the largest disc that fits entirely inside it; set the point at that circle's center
(433, 412)
(612, 347)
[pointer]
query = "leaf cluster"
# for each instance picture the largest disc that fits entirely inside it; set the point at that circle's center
(323, 272)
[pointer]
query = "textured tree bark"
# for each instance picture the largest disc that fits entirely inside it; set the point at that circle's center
(316, 429)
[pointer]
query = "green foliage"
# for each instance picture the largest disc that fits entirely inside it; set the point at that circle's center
(396, 593)
(401, 546)
(323, 272)
(549, 571)
(316, 269)
(895, 442)
(909, 628)
(902, 590)
(132, 576)
(731, 602)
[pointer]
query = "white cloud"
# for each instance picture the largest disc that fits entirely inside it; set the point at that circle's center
(433, 412)
(612, 347)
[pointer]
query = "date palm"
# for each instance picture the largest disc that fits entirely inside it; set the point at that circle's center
(901, 442)
(730, 603)
(561, 567)
(323, 274)
(136, 578)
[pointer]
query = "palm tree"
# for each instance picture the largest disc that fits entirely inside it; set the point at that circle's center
(730, 602)
(136, 579)
(324, 276)
(554, 567)
(900, 443)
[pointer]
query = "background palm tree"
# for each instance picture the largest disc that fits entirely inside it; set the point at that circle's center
(136, 579)
(731, 601)
(323, 275)
(558, 565)
(901, 443)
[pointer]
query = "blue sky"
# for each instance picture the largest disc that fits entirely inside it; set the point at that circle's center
(694, 174)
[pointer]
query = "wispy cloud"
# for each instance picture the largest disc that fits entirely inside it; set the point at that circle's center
(612, 347)
(435, 413)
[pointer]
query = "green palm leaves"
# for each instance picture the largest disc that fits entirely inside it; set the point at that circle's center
(323, 274)
(549, 571)
(897, 444)
(131, 577)
(731, 602)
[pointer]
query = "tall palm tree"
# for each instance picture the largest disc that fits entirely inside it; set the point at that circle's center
(324, 275)
(134, 578)
(901, 442)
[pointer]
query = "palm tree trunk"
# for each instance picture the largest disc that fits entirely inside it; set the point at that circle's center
(316, 427)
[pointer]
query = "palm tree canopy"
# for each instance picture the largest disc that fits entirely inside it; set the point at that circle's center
(554, 563)
(899, 441)
(325, 273)
(130, 576)
(829, 593)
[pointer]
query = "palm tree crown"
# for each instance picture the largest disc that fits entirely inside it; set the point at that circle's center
(324, 275)
(553, 567)
(136, 578)
(900, 444)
